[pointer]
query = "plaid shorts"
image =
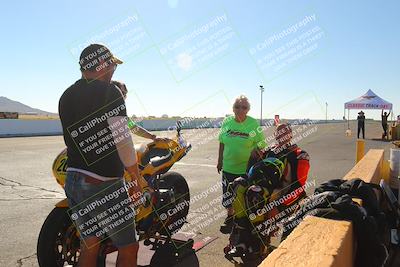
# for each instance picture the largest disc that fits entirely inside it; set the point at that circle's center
(101, 210)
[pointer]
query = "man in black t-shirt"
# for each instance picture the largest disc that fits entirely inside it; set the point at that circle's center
(99, 147)
(361, 124)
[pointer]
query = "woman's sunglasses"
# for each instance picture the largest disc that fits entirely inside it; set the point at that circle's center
(244, 107)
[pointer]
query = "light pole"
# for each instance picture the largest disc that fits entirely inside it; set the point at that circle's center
(261, 96)
(326, 112)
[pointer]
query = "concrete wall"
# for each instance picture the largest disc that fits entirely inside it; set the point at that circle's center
(169, 124)
(12, 127)
(9, 127)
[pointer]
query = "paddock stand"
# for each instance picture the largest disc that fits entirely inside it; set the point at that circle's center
(165, 251)
(169, 251)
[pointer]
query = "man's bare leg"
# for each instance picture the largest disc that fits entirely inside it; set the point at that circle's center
(89, 252)
(127, 256)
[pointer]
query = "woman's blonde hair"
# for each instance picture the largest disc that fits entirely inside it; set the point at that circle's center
(241, 98)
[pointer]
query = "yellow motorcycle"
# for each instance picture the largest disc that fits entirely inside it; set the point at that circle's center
(164, 192)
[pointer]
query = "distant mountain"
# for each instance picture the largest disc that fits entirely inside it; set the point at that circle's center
(15, 106)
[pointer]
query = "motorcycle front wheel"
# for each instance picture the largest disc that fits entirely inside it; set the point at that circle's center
(58, 242)
(179, 207)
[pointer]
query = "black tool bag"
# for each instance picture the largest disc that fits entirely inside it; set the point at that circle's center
(371, 223)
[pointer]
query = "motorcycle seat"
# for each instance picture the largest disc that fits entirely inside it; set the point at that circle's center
(158, 161)
(153, 154)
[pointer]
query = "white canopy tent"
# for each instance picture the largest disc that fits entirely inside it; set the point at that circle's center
(367, 101)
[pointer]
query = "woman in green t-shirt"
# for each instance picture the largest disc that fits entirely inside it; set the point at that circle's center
(240, 135)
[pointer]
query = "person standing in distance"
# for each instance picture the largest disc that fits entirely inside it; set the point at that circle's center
(361, 124)
(384, 116)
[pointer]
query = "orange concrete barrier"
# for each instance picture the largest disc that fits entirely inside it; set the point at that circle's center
(315, 242)
(323, 242)
(369, 168)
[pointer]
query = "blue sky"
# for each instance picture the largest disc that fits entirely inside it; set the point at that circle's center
(338, 50)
